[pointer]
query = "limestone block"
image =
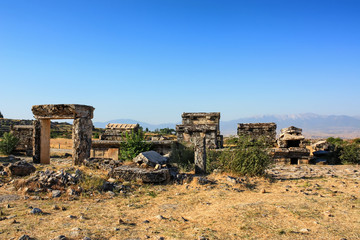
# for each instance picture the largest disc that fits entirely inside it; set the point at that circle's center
(150, 158)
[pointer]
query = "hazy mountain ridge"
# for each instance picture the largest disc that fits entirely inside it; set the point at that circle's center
(313, 125)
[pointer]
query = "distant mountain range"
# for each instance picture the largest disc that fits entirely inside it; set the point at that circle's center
(313, 125)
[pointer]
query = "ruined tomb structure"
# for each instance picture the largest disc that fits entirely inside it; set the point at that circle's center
(258, 130)
(200, 125)
(24, 133)
(117, 131)
(292, 149)
(81, 133)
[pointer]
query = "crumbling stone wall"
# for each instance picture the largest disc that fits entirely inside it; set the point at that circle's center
(258, 130)
(25, 135)
(191, 133)
(5, 124)
(200, 125)
(111, 149)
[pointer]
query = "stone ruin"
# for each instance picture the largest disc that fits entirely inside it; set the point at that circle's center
(6, 124)
(81, 132)
(200, 125)
(117, 131)
(25, 135)
(203, 131)
(258, 130)
(292, 149)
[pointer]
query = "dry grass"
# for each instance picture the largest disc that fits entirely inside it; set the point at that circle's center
(64, 143)
(327, 207)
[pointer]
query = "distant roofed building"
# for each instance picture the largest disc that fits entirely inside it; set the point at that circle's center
(117, 131)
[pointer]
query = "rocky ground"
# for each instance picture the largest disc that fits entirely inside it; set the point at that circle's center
(294, 202)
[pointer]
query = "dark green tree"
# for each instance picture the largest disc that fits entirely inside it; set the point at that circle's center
(135, 143)
(8, 143)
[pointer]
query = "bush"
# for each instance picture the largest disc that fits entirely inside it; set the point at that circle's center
(182, 156)
(335, 141)
(134, 144)
(96, 135)
(212, 160)
(248, 157)
(8, 143)
(350, 153)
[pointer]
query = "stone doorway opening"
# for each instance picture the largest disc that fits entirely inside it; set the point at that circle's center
(81, 131)
(293, 143)
(294, 161)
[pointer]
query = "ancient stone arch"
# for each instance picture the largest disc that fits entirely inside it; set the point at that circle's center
(81, 132)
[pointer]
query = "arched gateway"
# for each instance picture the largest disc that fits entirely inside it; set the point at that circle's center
(81, 132)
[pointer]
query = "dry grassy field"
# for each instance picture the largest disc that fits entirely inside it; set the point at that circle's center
(256, 208)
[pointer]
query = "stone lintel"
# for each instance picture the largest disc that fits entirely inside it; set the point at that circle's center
(62, 111)
(200, 114)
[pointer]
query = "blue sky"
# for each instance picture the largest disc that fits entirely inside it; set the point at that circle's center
(152, 60)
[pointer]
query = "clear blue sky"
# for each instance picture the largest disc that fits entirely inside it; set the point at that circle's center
(152, 60)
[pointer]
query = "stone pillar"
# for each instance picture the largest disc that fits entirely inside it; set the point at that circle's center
(200, 155)
(45, 141)
(81, 133)
(36, 141)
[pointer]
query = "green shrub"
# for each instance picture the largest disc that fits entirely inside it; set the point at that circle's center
(335, 141)
(8, 143)
(134, 144)
(96, 135)
(350, 153)
(212, 160)
(182, 156)
(248, 157)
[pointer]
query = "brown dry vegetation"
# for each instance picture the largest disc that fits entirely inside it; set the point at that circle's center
(322, 208)
(64, 143)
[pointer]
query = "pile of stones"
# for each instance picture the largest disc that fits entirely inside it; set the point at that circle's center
(101, 163)
(47, 180)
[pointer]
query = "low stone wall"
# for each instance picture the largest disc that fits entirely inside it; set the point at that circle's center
(258, 130)
(5, 124)
(25, 135)
(111, 149)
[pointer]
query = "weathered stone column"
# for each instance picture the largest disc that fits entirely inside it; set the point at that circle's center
(36, 141)
(45, 141)
(81, 133)
(200, 155)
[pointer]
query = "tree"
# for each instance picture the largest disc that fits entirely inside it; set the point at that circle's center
(8, 143)
(350, 153)
(134, 144)
(1, 116)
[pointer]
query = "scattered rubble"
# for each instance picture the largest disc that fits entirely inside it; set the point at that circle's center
(101, 163)
(20, 168)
